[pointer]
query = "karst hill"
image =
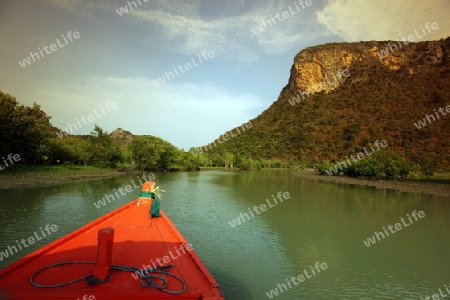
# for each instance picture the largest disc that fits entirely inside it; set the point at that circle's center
(342, 96)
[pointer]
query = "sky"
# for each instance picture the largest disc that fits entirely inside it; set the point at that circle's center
(110, 71)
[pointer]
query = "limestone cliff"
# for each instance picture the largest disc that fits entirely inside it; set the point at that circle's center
(320, 68)
(389, 88)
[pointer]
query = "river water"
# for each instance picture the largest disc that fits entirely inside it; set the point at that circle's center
(320, 222)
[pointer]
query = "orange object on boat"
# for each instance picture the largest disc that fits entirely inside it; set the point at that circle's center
(122, 255)
(148, 186)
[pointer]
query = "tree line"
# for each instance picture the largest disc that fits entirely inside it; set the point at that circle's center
(27, 131)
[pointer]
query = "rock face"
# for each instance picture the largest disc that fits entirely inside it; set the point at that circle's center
(388, 89)
(321, 68)
(121, 137)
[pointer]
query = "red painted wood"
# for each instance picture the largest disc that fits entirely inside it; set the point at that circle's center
(138, 241)
(104, 253)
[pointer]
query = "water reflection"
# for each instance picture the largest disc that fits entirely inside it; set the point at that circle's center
(321, 222)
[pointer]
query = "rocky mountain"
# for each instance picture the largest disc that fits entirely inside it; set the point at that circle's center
(121, 137)
(341, 97)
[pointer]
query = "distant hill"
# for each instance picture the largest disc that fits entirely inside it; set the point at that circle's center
(342, 96)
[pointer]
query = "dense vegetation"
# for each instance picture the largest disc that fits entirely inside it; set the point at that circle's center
(27, 131)
(375, 103)
(379, 165)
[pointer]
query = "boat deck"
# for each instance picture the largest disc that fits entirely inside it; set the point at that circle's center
(138, 241)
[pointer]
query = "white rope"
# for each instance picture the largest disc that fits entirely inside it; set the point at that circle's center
(158, 192)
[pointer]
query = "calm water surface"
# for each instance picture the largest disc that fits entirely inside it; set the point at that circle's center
(321, 222)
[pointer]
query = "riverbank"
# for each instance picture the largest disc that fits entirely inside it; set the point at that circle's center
(34, 176)
(429, 188)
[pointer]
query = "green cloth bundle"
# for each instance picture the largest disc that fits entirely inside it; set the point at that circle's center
(154, 210)
(147, 195)
(156, 204)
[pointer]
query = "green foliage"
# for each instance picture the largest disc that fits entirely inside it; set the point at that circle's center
(25, 130)
(171, 158)
(145, 152)
(429, 166)
(149, 152)
(300, 165)
(247, 164)
(72, 149)
(51, 169)
(382, 164)
(322, 167)
(374, 102)
(104, 152)
(228, 159)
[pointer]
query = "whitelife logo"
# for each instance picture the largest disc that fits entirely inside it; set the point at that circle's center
(422, 123)
(338, 77)
(163, 261)
(223, 138)
(71, 127)
(31, 240)
(187, 67)
(27, 61)
(265, 24)
(124, 9)
(297, 280)
(398, 227)
(411, 38)
(11, 158)
(124, 190)
(339, 166)
(436, 296)
(236, 222)
(86, 297)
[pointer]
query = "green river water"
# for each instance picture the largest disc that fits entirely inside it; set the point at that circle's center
(320, 222)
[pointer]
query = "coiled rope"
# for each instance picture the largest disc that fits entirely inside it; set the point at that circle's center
(147, 276)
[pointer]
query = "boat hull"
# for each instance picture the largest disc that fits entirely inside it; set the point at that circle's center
(139, 241)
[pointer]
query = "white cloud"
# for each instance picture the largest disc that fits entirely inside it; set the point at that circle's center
(179, 27)
(184, 31)
(187, 35)
(67, 4)
(362, 20)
